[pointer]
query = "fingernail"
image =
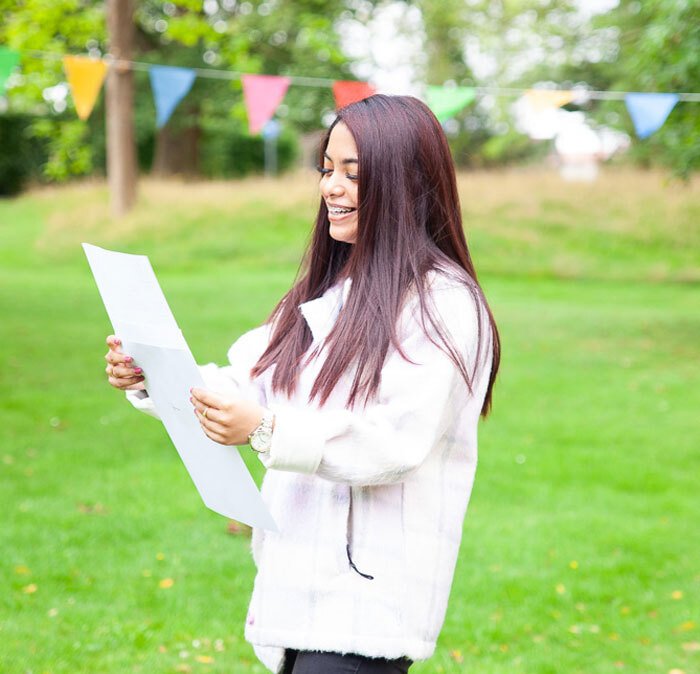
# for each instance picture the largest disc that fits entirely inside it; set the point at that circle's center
(128, 359)
(117, 341)
(138, 370)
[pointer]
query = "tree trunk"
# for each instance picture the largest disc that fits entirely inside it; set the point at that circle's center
(177, 150)
(121, 139)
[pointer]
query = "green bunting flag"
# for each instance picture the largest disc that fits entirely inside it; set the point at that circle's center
(8, 60)
(446, 102)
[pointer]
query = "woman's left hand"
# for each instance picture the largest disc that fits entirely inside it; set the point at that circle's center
(226, 420)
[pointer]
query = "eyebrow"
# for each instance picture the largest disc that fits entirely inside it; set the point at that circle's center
(344, 162)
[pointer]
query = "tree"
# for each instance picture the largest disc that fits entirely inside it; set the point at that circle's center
(283, 37)
(121, 143)
(658, 49)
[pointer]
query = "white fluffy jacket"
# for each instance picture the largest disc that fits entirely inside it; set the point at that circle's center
(369, 502)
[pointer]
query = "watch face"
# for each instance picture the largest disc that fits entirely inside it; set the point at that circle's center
(260, 442)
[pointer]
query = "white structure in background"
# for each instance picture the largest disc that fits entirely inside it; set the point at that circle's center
(578, 147)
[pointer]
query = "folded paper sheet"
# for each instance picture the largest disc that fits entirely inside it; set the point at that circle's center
(142, 319)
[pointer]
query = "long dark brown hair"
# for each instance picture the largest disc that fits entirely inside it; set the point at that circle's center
(409, 223)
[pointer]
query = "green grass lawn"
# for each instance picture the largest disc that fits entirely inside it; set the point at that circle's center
(581, 547)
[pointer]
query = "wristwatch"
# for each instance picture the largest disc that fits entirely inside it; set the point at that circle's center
(260, 439)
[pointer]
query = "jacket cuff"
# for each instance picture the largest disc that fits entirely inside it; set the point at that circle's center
(297, 442)
(142, 402)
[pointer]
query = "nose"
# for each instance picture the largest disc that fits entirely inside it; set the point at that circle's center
(333, 185)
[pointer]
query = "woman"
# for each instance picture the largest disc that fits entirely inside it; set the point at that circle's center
(361, 395)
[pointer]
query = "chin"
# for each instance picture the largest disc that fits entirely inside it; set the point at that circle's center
(342, 235)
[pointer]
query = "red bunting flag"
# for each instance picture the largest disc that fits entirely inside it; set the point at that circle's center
(346, 92)
(262, 95)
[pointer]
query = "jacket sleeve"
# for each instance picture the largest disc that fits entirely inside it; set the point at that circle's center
(392, 436)
(233, 379)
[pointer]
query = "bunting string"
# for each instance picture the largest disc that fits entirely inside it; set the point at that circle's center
(298, 80)
(264, 93)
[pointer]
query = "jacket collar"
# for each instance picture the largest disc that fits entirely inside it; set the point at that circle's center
(321, 313)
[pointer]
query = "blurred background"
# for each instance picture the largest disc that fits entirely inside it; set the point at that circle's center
(142, 127)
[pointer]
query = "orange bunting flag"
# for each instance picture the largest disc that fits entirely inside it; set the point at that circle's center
(544, 99)
(85, 77)
(346, 92)
(262, 95)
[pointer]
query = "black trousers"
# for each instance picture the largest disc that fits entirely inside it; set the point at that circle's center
(316, 662)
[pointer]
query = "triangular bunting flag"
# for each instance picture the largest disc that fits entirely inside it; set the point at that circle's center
(346, 92)
(8, 61)
(446, 102)
(262, 95)
(649, 111)
(85, 77)
(170, 85)
(543, 99)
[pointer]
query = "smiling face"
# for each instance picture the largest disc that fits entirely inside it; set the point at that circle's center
(339, 184)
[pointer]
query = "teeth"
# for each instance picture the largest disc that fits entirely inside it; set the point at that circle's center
(339, 211)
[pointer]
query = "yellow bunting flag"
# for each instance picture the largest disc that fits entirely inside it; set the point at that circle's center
(85, 77)
(543, 99)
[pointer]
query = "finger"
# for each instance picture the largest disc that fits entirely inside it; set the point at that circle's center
(124, 372)
(115, 357)
(209, 398)
(212, 413)
(113, 342)
(120, 383)
(139, 386)
(216, 437)
(209, 423)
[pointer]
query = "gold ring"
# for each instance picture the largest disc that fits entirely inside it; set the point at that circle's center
(204, 414)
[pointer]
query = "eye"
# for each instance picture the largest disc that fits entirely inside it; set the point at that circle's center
(324, 171)
(350, 176)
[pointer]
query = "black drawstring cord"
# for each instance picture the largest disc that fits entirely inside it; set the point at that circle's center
(353, 567)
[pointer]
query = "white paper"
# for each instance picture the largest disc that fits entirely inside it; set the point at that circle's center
(143, 321)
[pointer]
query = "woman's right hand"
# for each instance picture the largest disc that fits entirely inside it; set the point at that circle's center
(120, 368)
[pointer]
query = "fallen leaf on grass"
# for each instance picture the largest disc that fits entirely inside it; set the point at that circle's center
(166, 583)
(573, 564)
(691, 646)
(182, 667)
(92, 508)
(676, 671)
(687, 626)
(206, 659)
(52, 612)
(456, 655)
(237, 529)
(30, 589)
(22, 570)
(677, 594)
(560, 588)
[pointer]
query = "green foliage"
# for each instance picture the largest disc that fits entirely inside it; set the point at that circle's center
(22, 157)
(659, 50)
(229, 152)
(651, 46)
(285, 37)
